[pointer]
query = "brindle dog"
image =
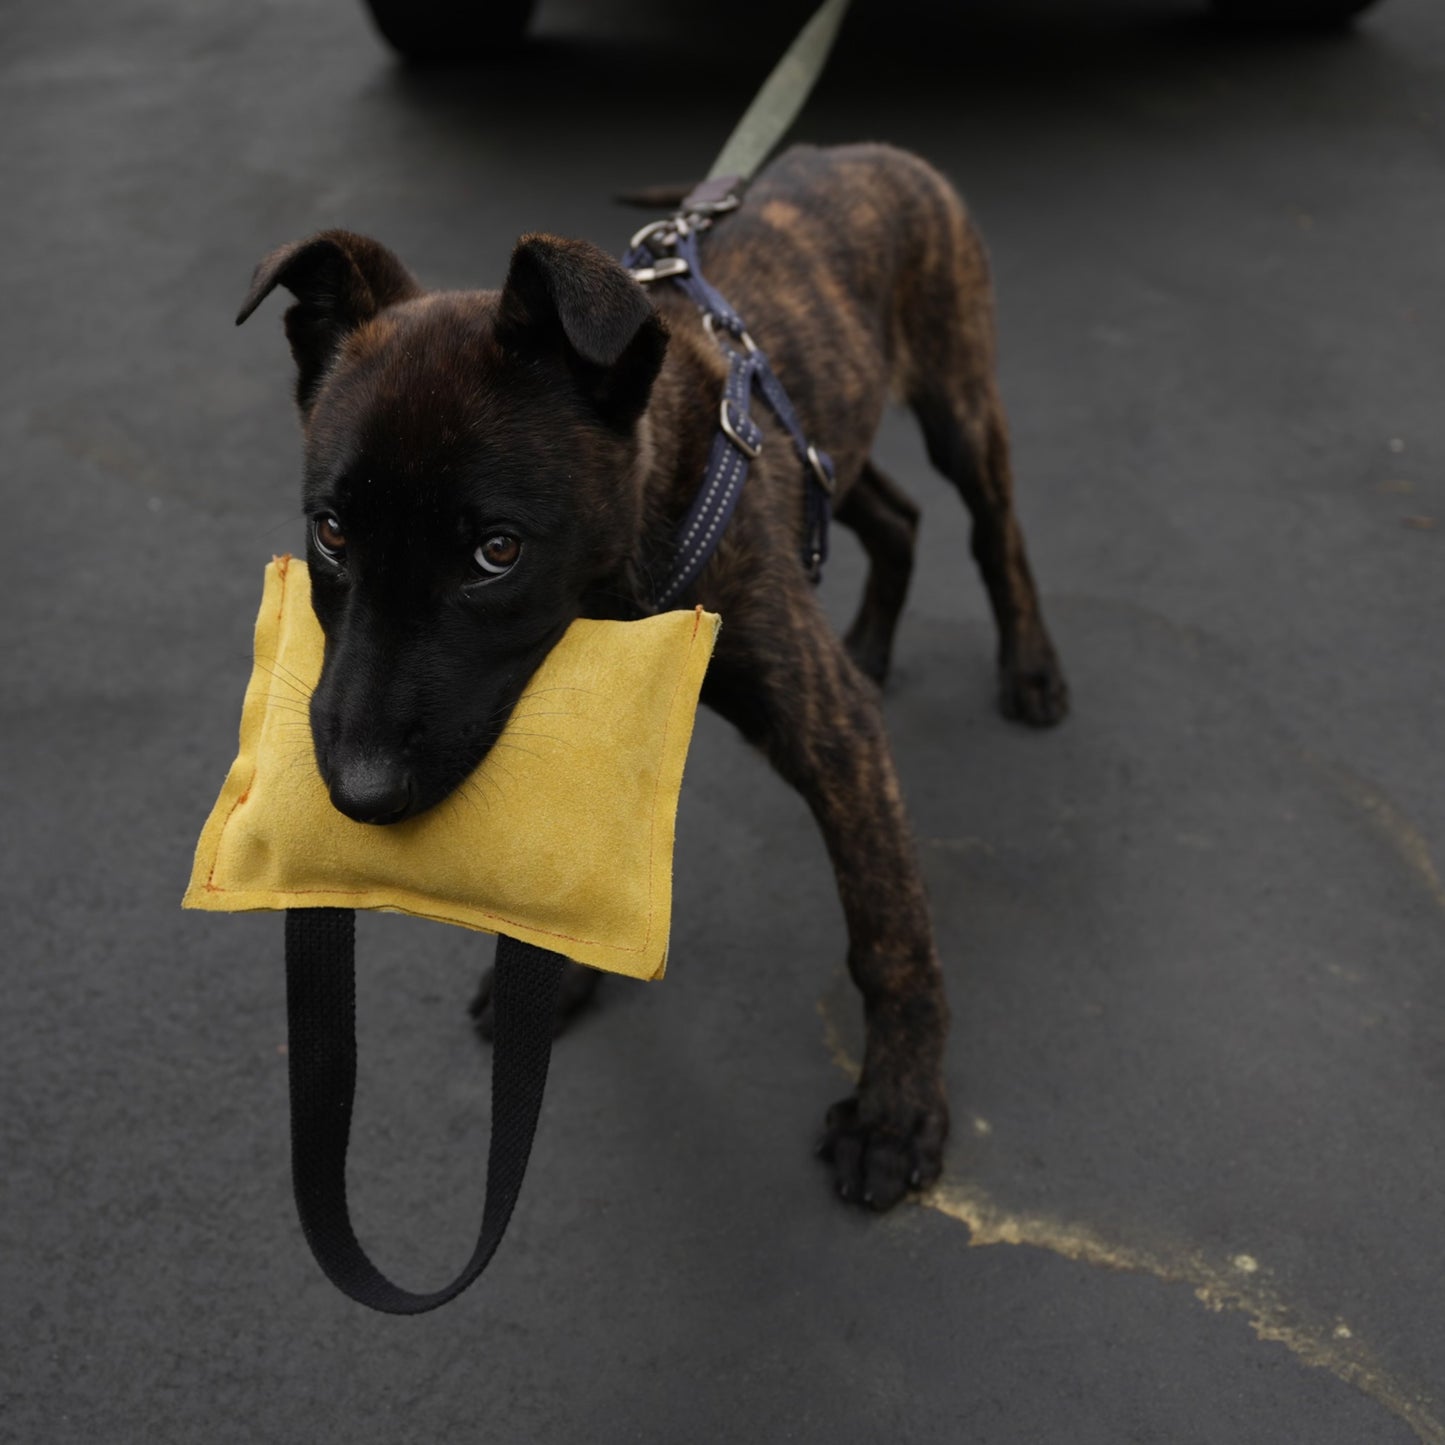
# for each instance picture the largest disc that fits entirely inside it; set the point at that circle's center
(483, 467)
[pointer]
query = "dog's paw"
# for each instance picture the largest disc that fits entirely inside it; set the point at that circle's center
(877, 1161)
(577, 987)
(1031, 689)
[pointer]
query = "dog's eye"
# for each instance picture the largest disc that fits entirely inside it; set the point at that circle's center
(498, 554)
(330, 539)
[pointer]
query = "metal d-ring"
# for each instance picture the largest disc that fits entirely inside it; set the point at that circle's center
(747, 448)
(709, 324)
(820, 471)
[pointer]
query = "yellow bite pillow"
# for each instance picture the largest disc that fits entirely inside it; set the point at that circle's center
(582, 865)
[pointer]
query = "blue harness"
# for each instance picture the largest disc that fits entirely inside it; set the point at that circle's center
(667, 250)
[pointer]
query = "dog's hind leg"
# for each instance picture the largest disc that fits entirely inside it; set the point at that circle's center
(946, 318)
(967, 439)
(783, 678)
(886, 523)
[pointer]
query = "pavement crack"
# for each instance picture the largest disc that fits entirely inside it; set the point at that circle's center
(1239, 1284)
(1389, 820)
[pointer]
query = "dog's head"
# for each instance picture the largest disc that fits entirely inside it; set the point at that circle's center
(471, 471)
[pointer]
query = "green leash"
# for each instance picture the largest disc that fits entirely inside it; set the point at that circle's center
(782, 96)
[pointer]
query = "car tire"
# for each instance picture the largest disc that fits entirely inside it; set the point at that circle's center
(433, 31)
(1289, 14)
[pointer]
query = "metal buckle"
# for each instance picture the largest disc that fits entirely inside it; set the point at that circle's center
(709, 324)
(820, 471)
(730, 431)
(665, 270)
(655, 228)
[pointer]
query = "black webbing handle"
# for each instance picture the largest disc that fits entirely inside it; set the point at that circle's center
(321, 1009)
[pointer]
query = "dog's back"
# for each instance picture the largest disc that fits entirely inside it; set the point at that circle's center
(859, 272)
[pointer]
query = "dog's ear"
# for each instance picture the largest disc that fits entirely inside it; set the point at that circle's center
(572, 297)
(340, 281)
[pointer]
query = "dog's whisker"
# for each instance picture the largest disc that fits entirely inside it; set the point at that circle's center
(492, 766)
(302, 755)
(531, 753)
(464, 794)
(293, 696)
(474, 785)
(289, 522)
(526, 717)
(295, 677)
(493, 761)
(275, 666)
(543, 737)
(288, 680)
(494, 783)
(558, 687)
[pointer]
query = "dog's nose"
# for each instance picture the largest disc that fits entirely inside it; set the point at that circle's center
(371, 791)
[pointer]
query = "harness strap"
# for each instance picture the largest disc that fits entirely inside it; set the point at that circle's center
(739, 440)
(321, 1053)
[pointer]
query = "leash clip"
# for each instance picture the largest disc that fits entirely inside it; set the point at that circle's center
(664, 232)
(714, 196)
(666, 269)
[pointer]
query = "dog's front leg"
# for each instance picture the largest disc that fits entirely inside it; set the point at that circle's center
(794, 692)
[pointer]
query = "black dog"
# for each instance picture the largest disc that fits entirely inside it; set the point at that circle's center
(484, 467)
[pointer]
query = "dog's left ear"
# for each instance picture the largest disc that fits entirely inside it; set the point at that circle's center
(573, 297)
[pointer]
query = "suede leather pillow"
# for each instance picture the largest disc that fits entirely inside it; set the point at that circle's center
(574, 851)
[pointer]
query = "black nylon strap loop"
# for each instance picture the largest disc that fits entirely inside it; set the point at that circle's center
(321, 1009)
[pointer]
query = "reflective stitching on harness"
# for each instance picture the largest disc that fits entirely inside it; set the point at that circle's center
(732, 473)
(739, 436)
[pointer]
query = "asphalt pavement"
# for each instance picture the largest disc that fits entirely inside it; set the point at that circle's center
(1193, 938)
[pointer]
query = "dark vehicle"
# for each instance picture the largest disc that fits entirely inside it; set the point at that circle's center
(435, 30)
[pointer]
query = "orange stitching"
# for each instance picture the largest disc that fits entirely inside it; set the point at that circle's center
(283, 562)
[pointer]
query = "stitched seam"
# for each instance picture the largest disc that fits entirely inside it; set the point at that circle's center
(283, 565)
